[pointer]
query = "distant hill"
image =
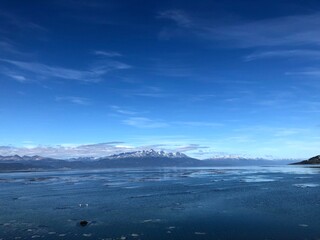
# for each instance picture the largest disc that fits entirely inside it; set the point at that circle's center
(145, 158)
(245, 162)
(148, 158)
(313, 160)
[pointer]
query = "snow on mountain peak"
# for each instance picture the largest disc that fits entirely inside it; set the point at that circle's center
(148, 153)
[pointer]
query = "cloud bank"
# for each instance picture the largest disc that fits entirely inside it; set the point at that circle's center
(66, 151)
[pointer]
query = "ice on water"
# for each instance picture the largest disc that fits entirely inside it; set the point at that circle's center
(189, 203)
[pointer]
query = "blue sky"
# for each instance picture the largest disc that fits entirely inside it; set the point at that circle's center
(206, 78)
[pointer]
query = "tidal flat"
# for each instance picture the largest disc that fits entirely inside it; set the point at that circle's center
(281, 202)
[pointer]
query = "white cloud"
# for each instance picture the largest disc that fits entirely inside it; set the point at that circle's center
(313, 54)
(75, 100)
(199, 124)
(311, 72)
(89, 150)
(107, 53)
(146, 91)
(8, 47)
(67, 150)
(18, 78)
(275, 132)
(171, 66)
(93, 74)
(178, 16)
(20, 23)
(123, 111)
(282, 31)
(143, 122)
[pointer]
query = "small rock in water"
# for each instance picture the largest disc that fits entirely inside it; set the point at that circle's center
(87, 234)
(303, 225)
(83, 223)
(83, 204)
(151, 221)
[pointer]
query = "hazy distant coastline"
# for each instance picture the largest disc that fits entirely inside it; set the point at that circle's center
(148, 158)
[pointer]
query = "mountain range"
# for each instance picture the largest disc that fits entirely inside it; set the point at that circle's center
(145, 158)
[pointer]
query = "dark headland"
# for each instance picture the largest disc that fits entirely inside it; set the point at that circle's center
(313, 160)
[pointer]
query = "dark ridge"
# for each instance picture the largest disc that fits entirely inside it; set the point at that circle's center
(313, 160)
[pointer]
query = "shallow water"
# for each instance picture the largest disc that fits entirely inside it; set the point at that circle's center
(172, 203)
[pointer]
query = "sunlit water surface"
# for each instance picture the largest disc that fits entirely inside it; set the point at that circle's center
(173, 203)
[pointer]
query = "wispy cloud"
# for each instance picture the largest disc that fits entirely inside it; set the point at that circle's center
(82, 4)
(146, 91)
(10, 49)
(311, 72)
(74, 100)
(274, 131)
(312, 54)
(143, 122)
(190, 147)
(94, 74)
(171, 66)
(19, 78)
(70, 150)
(107, 53)
(123, 111)
(137, 119)
(13, 21)
(282, 31)
(7, 46)
(198, 124)
(178, 16)
(14, 75)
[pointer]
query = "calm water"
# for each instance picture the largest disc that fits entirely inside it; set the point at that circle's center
(207, 203)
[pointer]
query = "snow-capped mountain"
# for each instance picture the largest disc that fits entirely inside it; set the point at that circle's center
(231, 156)
(148, 153)
(236, 160)
(143, 158)
(22, 158)
(148, 158)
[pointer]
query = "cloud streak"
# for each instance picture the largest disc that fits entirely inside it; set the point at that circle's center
(65, 151)
(123, 111)
(107, 53)
(68, 150)
(143, 122)
(310, 72)
(293, 30)
(15, 21)
(75, 100)
(199, 124)
(94, 74)
(178, 16)
(312, 54)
